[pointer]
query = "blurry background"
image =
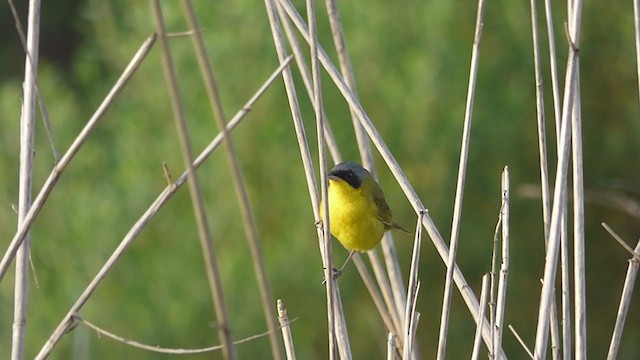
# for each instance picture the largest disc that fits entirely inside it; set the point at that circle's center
(412, 64)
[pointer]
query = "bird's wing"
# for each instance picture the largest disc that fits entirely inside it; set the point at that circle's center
(384, 212)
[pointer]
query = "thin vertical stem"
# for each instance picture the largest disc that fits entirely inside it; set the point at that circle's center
(504, 267)
(285, 326)
(493, 284)
(578, 227)
(567, 329)
(391, 346)
(250, 227)
(462, 170)
(553, 62)
(566, 308)
(27, 130)
(413, 325)
(579, 263)
(324, 185)
(483, 307)
(540, 117)
(208, 250)
(544, 174)
(559, 202)
(412, 290)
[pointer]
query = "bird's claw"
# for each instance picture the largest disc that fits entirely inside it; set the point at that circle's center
(336, 274)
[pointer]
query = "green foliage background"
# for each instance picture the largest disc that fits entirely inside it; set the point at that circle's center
(411, 62)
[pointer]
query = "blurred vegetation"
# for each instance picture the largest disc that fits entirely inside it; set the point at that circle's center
(411, 63)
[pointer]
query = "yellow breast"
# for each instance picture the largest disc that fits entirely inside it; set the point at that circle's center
(354, 216)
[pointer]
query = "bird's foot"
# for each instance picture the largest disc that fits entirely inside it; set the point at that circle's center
(336, 274)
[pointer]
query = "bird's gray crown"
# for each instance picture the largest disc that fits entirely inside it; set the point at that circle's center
(352, 173)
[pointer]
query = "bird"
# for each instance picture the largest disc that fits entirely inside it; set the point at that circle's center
(358, 212)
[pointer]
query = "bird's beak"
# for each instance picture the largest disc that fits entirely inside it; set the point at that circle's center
(332, 177)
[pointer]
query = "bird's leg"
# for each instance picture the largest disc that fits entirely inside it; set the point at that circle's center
(346, 262)
(338, 272)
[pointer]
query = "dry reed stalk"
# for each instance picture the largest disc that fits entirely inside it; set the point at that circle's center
(412, 292)
(524, 346)
(285, 326)
(27, 132)
(542, 149)
(553, 66)
(559, 198)
(441, 247)
(566, 322)
(504, 267)
(250, 227)
(567, 333)
(144, 219)
(579, 262)
(493, 284)
(625, 301)
(462, 172)
(413, 326)
(564, 246)
(330, 282)
(483, 305)
(391, 346)
(580, 296)
(204, 232)
(77, 143)
(540, 117)
(617, 237)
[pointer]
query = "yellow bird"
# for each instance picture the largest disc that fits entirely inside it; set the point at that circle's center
(358, 212)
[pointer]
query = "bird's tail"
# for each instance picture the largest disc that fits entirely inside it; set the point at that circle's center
(395, 226)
